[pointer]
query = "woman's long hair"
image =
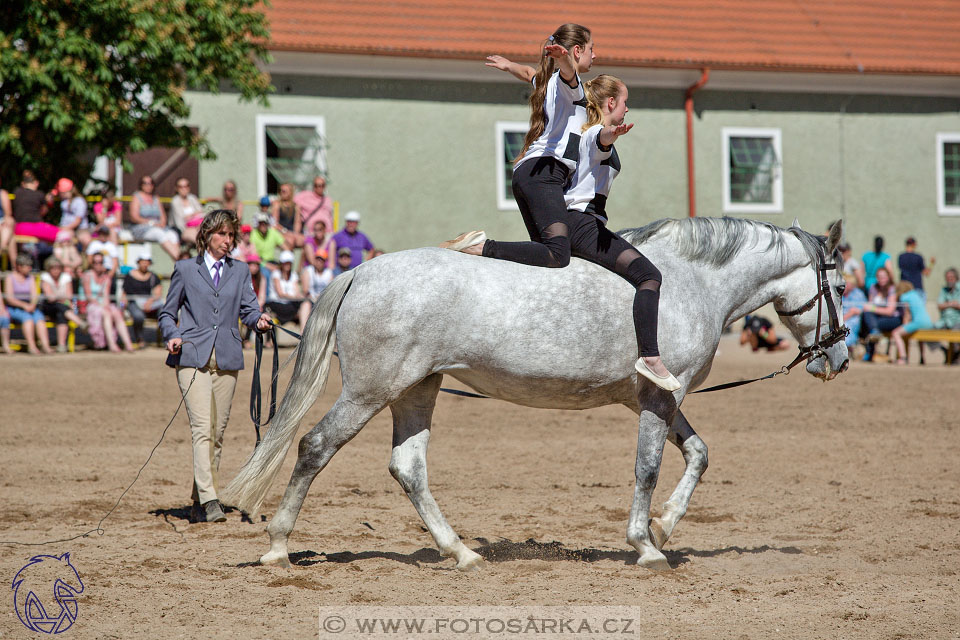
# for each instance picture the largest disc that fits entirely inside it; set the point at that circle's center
(214, 221)
(598, 91)
(568, 35)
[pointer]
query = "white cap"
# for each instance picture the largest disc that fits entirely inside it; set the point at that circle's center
(286, 256)
(352, 216)
(145, 255)
(261, 217)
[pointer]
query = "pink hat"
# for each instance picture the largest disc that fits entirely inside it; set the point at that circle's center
(251, 257)
(64, 185)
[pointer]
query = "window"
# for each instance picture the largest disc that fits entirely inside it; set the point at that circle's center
(752, 175)
(289, 149)
(509, 142)
(948, 174)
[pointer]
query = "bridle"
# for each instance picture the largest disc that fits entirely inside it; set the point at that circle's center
(837, 331)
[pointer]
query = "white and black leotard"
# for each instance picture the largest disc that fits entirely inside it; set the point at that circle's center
(594, 176)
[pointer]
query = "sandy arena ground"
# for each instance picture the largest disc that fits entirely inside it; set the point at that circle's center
(828, 511)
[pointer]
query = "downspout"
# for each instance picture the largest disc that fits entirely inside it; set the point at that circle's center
(688, 106)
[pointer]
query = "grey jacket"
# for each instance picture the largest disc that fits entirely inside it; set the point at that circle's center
(208, 315)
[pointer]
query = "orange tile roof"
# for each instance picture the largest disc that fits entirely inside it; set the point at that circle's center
(870, 36)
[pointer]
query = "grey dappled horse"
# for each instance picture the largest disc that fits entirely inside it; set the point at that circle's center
(552, 338)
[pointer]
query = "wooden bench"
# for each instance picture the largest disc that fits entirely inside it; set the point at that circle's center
(932, 335)
(71, 336)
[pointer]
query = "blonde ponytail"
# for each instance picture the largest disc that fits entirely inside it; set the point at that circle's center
(598, 91)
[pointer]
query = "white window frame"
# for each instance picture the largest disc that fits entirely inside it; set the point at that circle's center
(265, 120)
(747, 207)
(943, 208)
(504, 203)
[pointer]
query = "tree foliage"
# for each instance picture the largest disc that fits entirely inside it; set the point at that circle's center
(80, 78)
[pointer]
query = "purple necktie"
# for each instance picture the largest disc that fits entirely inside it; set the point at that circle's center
(216, 276)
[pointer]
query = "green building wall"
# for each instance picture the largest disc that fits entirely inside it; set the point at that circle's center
(418, 158)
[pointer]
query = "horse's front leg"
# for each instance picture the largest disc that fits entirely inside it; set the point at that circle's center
(657, 409)
(694, 452)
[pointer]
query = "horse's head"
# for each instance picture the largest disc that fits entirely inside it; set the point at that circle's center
(811, 306)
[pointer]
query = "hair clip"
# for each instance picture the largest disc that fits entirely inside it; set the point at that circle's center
(550, 38)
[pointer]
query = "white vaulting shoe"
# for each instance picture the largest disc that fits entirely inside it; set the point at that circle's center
(669, 383)
(464, 240)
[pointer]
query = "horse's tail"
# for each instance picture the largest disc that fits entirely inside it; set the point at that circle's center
(248, 489)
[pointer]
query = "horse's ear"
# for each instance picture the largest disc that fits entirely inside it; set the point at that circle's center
(836, 235)
(796, 223)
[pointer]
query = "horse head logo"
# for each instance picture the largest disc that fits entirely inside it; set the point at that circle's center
(45, 593)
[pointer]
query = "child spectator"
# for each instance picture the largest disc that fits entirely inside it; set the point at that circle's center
(109, 214)
(266, 239)
(316, 276)
(142, 295)
(22, 299)
(103, 246)
(915, 317)
(286, 299)
(344, 260)
(759, 333)
(316, 244)
(57, 287)
(259, 283)
(105, 320)
(74, 226)
(853, 301)
(880, 313)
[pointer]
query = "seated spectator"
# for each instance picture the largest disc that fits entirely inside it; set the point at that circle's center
(186, 212)
(759, 333)
(853, 301)
(285, 299)
(880, 313)
(353, 239)
(6, 221)
(105, 320)
(28, 209)
(74, 226)
(915, 317)
(344, 261)
(109, 214)
(150, 221)
(142, 295)
(4, 328)
(948, 302)
(244, 247)
(259, 287)
(266, 239)
(286, 216)
(316, 278)
(22, 300)
(376, 253)
(229, 199)
(315, 245)
(873, 260)
(851, 266)
(57, 288)
(69, 257)
(315, 205)
(185, 254)
(103, 246)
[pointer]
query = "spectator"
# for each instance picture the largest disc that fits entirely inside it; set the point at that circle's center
(102, 245)
(69, 257)
(74, 226)
(185, 254)
(315, 205)
(22, 299)
(150, 221)
(344, 260)
(104, 319)
(186, 212)
(873, 260)
(228, 199)
(853, 301)
(349, 237)
(109, 214)
(286, 216)
(948, 302)
(259, 287)
(913, 268)
(851, 266)
(264, 205)
(316, 275)
(315, 245)
(286, 299)
(244, 246)
(6, 222)
(759, 333)
(29, 207)
(880, 313)
(142, 295)
(266, 239)
(376, 253)
(4, 328)
(915, 317)
(57, 288)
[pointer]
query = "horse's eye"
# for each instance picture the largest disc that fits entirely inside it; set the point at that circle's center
(841, 289)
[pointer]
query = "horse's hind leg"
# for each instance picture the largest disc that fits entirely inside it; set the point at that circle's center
(657, 410)
(317, 447)
(408, 464)
(694, 452)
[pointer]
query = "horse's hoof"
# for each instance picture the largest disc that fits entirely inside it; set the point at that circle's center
(470, 561)
(656, 562)
(657, 535)
(277, 559)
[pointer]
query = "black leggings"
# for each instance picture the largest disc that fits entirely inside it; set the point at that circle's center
(557, 234)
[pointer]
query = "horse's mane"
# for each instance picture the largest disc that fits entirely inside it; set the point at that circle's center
(716, 241)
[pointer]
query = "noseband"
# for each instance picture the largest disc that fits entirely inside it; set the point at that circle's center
(837, 331)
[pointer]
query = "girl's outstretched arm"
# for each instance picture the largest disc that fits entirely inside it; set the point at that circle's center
(609, 134)
(568, 70)
(519, 71)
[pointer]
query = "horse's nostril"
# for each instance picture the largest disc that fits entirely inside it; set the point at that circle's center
(844, 366)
